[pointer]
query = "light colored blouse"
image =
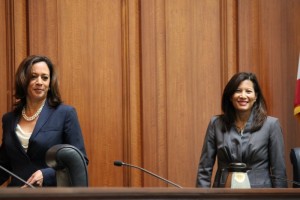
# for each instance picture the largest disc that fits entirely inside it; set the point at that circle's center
(23, 137)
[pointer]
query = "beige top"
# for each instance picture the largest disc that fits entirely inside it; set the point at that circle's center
(23, 137)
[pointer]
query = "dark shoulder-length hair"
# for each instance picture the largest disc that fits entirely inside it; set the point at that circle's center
(23, 76)
(259, 108)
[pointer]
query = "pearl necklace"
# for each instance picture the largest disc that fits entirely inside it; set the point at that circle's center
(33, 117)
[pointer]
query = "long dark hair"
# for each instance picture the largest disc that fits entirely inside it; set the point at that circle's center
(259, 108)
(22, 79)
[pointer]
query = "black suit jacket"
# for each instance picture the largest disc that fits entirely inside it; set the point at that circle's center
(58, 125)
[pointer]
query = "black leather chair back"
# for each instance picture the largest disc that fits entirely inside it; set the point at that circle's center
(295, 160)
(70, 165)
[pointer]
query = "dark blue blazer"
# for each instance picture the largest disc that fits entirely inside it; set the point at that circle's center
(58, 125)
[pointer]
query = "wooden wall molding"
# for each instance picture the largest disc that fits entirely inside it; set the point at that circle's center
(229, 41)
(132, 137)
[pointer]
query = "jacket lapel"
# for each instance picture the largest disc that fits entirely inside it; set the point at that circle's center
(43, 118)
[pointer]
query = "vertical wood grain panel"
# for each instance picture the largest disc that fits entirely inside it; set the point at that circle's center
(92, 30)
(132, 151)
(43, 28)
(193, 55)
(173, 86)
(153, 88)
(248, 35)
(20, 30)
(229, 41)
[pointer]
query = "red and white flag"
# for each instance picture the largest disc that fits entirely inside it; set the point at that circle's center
(297, 94)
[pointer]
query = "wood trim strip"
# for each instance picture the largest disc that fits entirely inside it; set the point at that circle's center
(229, 42)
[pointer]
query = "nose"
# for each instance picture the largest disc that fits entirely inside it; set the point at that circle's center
(39, 80)
(242, 95)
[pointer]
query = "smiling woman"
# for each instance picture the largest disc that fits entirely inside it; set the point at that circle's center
(244, 97)
(38, 121)
(243, 100)
(243, 134)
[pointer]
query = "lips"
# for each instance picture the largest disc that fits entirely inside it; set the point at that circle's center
(38, 90)
(242, 103)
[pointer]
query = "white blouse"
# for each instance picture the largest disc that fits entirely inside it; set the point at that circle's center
(23, 137)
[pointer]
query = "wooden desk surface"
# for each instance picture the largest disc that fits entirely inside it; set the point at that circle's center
(147, 193)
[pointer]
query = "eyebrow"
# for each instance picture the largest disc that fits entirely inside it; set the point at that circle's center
(34, 73)
(245, 88)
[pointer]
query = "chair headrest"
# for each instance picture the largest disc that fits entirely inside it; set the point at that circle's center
(69, 163)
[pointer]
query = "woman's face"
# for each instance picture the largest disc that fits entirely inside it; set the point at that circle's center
(39, 83)
(244, 97)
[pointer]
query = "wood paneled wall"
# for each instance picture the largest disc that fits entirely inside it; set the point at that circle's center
(147, 75)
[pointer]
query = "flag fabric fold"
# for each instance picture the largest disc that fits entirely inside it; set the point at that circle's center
(297, 94)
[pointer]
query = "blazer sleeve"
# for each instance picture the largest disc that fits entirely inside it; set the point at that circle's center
(72, 132)
(276, 152)
(49, 176)
(207, 159)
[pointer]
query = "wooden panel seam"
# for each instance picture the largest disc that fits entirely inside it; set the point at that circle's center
(228, 38)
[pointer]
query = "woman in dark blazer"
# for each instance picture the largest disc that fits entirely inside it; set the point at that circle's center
(243, 134)
(38, 121)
